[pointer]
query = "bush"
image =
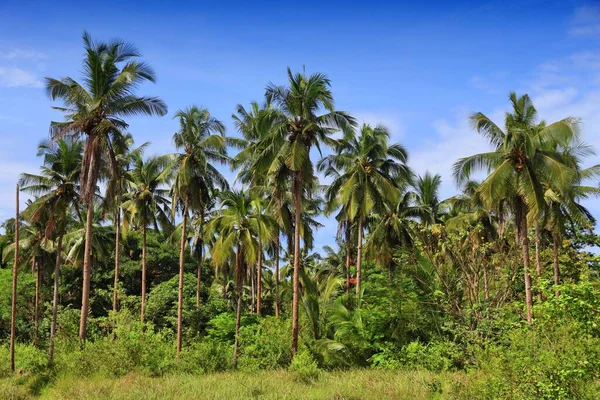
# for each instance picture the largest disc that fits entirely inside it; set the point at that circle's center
(435, 356)
(304, 367)
(266, 345)
(206, 356)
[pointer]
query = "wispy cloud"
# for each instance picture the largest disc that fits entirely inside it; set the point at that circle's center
(392, 121)
(21, 54)
(14, 77)
(585, 21)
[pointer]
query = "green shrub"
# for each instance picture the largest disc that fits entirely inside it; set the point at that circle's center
(206, 356)
(266, 345)
(304, 367)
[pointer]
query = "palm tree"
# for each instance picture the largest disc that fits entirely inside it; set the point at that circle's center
(369, 172)
(147, 202)
(427, 199)
(296, 127)
(241, 227)
(200, 140)
(115, 190)
(95, 109)
(522, 155)
(58, 188)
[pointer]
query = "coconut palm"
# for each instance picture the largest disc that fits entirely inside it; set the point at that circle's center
(522, 155)
(427, 200)
(298, 126)
(58, 189)
(369, 172)
(241, 226)
(147, 202)
(96, 109)
(116, 188)
(200, 142)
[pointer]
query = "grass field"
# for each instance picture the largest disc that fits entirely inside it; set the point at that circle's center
(363, 384)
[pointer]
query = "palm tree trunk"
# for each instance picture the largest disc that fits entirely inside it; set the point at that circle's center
(198, 276)
(238, 311)
(538, 259)
(359, 257)
(181, 263)
(143, 273)
(252, 290)
(348, 258)
(259, 278)
(486, 283)
(87, 273)
(55, 297)
(556, 267)
(13, 306)
(277, 309)
(297, 192)
(117, 251)
(36, 313)
(527, 275)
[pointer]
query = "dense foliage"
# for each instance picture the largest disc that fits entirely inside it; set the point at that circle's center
(156, 265)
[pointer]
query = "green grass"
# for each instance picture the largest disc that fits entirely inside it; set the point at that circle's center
(358, 384)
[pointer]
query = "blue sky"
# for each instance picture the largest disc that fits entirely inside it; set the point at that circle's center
(419, 68)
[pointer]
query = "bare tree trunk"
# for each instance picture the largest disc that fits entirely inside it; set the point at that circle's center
(117, 254)
(556, 267)
(36, 313)
(87, 273)
(181, 272)
(348, 255)
(297, 192)
(486, 284)
(252, 289)
(538, 259)
(13, 306)
(238, 312)
(359, 258)
(143, 311)
(198, 276)
(55, 296)
(259, 278)
(527, 275)
(277, 306)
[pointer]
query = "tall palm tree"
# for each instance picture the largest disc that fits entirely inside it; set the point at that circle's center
(96, 109)
(58, 189)
(369, 172)
(241, 227)
(427, 200)
(116, 188)
(298, 125)
(148, 203)
(200, 141)
(522, 155)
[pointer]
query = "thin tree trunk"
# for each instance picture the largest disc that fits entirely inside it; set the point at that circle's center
(87, 272)
(252, 290)
(259, 278)
(142, 314)
(486, 284)
(36, 314)
(527, 275)
(359, 258)
(198, 276)
(181, 263)
(348, 260)
(538, 260)
(238, 312)
(556, 267)
(13, 306)
(55, 297)
(117, 251)
(297, 192)
(277, 306)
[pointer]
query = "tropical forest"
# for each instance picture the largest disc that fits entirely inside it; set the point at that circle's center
(131, 274)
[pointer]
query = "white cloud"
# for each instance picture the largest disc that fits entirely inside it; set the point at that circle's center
(585, 21)
(21, 54)
(13, 77)
(392, 121)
